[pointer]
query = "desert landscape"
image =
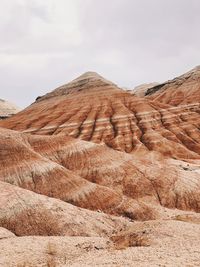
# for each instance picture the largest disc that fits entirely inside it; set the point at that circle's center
(95, 175)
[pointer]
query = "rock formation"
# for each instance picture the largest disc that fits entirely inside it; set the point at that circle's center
(7, 109)
(85, 162)
(96, 177)
(93, 109)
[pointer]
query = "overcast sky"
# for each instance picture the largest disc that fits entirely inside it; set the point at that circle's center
(44, 44)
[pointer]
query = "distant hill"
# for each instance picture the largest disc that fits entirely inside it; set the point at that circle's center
(7, 109)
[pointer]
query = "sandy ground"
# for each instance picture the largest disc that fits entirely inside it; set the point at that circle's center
(170, 243)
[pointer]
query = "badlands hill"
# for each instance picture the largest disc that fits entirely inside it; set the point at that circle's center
(91, 175)
(7, 109)
(93, 109)
(182, 90)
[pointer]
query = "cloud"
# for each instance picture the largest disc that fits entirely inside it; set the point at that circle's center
(46, 43)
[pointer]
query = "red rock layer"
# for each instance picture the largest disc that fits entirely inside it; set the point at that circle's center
(41, 176)
(96, 177)
(22, 166)
(92, 109)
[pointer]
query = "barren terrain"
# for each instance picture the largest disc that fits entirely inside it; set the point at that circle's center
(92, 175)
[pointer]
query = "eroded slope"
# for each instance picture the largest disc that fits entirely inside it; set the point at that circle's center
(97, 177)
(92, 109)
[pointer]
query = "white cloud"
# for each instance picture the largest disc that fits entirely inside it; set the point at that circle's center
(32, 27)
(46, 43)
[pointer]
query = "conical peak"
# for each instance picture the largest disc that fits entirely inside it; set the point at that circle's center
(90, 76)
(87, 82)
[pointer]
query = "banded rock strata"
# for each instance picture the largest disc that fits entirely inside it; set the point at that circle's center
(87, 154)
(92, 109)
(96, 177)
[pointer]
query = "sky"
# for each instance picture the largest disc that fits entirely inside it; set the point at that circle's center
(44, 44)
